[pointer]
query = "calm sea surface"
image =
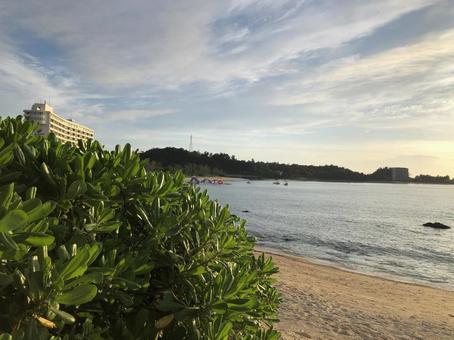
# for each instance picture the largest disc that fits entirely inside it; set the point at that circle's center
(367, 227)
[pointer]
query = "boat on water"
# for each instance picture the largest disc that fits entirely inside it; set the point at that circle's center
(248, 182)
(286, 183)
(196, 181)
(276, 182)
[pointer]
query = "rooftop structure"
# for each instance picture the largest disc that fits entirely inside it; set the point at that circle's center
(399, 174)
(65, 130)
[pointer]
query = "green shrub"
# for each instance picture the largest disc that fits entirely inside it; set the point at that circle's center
(94, 247)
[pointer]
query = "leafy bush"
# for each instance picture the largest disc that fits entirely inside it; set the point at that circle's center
(92, 246)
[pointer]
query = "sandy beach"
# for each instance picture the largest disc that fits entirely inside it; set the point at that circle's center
(323, 302)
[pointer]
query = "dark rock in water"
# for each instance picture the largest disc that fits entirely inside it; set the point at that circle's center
(245, 211)
(436, 225)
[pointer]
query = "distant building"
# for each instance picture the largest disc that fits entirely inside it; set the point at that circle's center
(399, 174)
(65, 130)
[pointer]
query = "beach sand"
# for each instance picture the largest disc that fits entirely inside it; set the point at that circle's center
(323, 302)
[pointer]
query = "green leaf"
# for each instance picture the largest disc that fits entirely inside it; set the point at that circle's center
(76, 188)
(125, 283)
(125, 299)
(164, 321)
(66, 317)
(168, 304)
(106, 215)
(19, 155)
(91, 160)
(132, 170)
(196, 271)
(187, 313)
(29, 151)
(13, 220)
(40, 239)
(126, 152)
(94, 277)
(219, 308)
(224, 332)
(6, 195)
(78, 295)
(31, 204)
(41, 211)
(48, 175)
(145, 268)
(6, 154)
(6, 336)
(76, 266)
(93, 252)
(31, 193)
(62, 253)
(94, 190)
(108, 227)
(114, 190)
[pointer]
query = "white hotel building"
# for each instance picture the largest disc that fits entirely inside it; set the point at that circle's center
(65, 130)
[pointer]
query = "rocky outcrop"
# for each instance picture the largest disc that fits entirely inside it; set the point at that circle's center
(436, 225)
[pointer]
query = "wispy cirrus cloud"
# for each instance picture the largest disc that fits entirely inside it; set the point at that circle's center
(169, 44)
(411, 82)
(126, 116)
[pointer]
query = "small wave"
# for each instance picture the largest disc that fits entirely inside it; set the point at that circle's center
(275, 237)
(417, 232)
(358, 248)
(397, 264)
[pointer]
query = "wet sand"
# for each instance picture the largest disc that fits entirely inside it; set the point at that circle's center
(324, 302)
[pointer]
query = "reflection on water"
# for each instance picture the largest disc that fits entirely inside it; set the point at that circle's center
(374, 228)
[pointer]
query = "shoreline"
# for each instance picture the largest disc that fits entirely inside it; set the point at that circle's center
(321, 301)
(337, 266)
(246, 178)
(230, 178)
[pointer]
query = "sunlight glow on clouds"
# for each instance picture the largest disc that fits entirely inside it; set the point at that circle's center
(361, 84)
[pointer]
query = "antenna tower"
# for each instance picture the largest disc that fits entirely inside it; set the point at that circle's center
(190, 143)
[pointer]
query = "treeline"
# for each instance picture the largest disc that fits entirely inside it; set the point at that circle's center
(218, 164)
(433, 179)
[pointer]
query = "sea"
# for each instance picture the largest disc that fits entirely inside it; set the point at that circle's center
(372, 228)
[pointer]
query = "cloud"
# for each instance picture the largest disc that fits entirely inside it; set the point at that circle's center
(404, 86)
(172, 43)
(266, 77)
(22, 77)
(129, 116)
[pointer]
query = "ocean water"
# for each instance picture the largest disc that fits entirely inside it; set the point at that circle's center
(366, 227)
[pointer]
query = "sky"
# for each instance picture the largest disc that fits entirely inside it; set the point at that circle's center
(359, 84)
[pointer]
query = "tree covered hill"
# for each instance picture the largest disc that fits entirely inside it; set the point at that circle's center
(206, 164)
